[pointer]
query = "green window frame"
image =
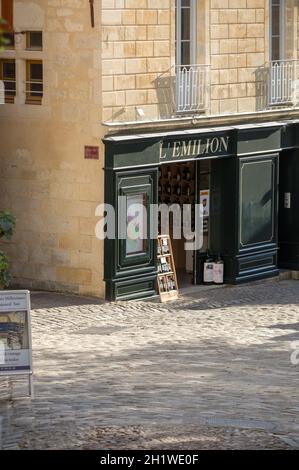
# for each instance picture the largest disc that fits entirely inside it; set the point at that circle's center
(258, 201)
(139, 190)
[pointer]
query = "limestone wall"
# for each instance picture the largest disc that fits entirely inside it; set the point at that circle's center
(44, 178)
(137, 56)
(104, 74)
(138, 52)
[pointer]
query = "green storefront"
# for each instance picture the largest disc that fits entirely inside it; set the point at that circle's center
(249, 173)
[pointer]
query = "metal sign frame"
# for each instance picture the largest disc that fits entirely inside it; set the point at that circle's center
(8, 305)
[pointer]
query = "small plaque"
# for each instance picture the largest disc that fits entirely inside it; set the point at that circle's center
(287, 200)
(91, 153)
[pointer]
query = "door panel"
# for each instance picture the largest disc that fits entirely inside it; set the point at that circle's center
(130, 259)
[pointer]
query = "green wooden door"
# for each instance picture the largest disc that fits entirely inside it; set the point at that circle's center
(130, 259)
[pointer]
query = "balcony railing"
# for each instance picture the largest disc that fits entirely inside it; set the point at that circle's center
(282, 82)
(192, 88)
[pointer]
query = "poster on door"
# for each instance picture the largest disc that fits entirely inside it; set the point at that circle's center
(205, 202)
(15, 333)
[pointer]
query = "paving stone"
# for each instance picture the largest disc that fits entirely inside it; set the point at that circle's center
(218, 363)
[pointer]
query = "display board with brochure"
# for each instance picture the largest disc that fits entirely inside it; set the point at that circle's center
(15, 335)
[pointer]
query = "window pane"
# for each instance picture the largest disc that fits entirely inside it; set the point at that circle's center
(185, 3)
(185, 24)
(257, 202)
(36, 72)
(275, 48)
(36, 89)
(275, 20)
(9, 40)
(35, 40)
(9, 86)
(136, 224)
(185, 53)
(9, 70)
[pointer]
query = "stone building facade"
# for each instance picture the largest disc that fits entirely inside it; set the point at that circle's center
(112, 67)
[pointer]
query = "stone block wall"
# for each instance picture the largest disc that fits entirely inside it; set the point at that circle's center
(138, 55)
(137, 58)
(44, 178)
(238, 55)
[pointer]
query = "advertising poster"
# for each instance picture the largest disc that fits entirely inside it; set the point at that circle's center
(15, 333)
(205, 201)
(136, 224)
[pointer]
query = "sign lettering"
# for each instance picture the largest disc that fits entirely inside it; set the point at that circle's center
(196, 148)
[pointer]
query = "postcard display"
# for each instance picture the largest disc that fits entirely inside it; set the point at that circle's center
(15, 335)
(167, 280)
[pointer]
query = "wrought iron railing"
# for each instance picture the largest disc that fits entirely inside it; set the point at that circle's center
(192, 88)
(282, 87)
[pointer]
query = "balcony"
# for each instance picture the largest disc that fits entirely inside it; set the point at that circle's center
(282, 82)
(192, 88)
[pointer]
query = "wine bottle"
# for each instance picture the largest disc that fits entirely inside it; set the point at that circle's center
(178, 190)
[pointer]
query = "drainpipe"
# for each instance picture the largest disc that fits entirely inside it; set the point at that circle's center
(91, 3)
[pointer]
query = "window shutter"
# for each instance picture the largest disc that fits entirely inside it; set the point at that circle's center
(7, 14)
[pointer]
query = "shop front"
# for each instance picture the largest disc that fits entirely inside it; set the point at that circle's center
(232, 172)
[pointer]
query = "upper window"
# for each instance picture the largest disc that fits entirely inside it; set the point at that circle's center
(276, 29)
(8, 76)
(9, 40)
(34, 40)
(185, 32)
(34, 81)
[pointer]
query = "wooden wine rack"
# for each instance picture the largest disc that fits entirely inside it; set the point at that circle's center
(177, 183)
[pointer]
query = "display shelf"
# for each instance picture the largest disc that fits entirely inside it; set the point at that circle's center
(177, 183)
(167, 280)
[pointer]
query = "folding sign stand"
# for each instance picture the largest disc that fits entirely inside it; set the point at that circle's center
(15, 335)
(167, 280)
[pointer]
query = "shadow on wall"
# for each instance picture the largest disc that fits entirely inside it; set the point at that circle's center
(165, 86)
(261, 86)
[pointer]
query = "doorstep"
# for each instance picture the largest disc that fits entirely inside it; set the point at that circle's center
(284, 275)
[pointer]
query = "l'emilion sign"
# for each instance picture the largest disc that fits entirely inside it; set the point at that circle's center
(211, 146)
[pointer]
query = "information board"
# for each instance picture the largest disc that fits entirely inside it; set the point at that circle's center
(15, 334)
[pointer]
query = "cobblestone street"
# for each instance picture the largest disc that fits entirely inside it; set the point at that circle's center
(211, 370)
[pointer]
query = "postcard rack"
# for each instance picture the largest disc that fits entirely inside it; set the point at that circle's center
(167, 279)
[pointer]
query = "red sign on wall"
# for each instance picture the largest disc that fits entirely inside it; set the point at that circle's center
(91, 153)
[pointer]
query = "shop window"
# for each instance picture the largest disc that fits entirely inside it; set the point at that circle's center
(34, 40)
(34, 81)
(8, 77)
(135, 220)
(257, 202)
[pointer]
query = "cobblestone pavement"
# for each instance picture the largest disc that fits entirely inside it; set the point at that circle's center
(211, 370)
